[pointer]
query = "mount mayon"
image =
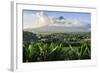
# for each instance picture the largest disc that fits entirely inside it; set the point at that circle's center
(44, 23)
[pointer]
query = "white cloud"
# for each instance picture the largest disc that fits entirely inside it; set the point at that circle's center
(28, 20)
(35, 20)
(70, 23)
(40, 19)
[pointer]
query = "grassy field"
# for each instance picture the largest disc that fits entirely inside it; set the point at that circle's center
(39, 47)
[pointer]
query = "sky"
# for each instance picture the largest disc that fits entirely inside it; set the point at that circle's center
(29, 16)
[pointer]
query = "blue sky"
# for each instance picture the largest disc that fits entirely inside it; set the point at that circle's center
(68, 15)
(77, 19)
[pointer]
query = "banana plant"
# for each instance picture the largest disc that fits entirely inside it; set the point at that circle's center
(82, 52)
(43, 50)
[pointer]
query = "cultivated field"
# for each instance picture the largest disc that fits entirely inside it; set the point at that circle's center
(39, 47)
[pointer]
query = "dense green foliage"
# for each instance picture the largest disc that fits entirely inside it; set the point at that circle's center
(56, 46)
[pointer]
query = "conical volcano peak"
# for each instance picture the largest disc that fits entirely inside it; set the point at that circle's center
(57, 21)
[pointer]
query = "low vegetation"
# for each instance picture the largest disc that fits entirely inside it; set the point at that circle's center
(39, 47)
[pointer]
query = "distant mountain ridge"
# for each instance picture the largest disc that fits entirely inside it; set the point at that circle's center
(57, 29)
(44, 23)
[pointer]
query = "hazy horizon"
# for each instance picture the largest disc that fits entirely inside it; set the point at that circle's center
(56, 21)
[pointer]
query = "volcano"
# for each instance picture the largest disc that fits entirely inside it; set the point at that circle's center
(45, 23)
